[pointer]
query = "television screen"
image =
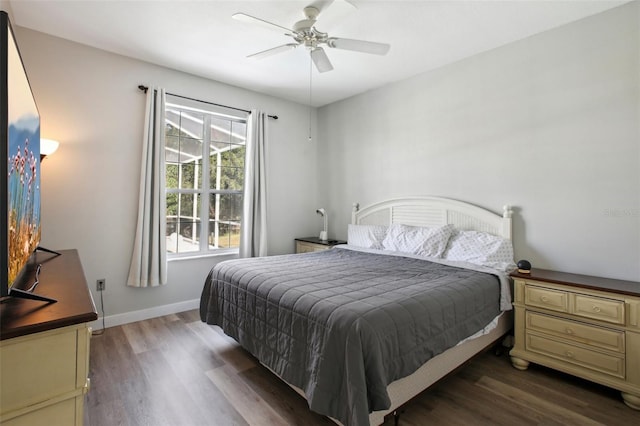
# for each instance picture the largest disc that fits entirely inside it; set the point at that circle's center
(20, 140)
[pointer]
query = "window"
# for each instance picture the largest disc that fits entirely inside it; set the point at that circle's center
(204, 198)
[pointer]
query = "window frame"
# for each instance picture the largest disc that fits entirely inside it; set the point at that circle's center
(205, 191)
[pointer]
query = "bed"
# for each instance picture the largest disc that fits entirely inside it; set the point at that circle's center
(360, 329)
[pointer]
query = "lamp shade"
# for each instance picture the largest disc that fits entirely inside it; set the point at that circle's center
(48, 147)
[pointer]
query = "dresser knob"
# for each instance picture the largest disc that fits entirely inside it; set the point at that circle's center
(544, 299)
(596, 308)
(569, 354)
(569, 331)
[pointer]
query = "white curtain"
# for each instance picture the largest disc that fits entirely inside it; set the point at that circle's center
(253, 233)
(149, 259)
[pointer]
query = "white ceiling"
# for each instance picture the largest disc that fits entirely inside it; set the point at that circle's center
(201, 38)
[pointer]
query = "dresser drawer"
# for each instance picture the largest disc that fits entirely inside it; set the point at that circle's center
(37, 367)
(61, 413)
(599, 308)
(597, 361)
(599, 337)
(555, 300)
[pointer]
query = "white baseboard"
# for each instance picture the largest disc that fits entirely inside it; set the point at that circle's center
(143, 314)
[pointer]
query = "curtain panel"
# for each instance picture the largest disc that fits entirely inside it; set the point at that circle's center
(149, 259)
(253, 233)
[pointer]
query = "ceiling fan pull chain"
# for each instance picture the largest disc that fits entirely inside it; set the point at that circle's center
(310, 93)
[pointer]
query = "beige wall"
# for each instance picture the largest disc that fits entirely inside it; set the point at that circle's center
(4, 5)
(549, 124)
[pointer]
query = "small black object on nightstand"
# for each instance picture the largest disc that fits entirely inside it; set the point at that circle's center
(524, 267)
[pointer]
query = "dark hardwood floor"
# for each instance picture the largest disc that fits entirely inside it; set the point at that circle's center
(178, 371)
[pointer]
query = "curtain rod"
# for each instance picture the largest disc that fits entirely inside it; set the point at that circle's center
(145, 89)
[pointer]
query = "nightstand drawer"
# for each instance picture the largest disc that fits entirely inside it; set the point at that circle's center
(302, 247)
(599, 337)
(599, 308)
(311, 244)
(546, 298)
(586, 358)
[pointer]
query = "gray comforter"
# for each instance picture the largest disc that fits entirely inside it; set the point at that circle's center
(343, 324)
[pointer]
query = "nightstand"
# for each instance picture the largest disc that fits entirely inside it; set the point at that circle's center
(309, 244)
(582, 325)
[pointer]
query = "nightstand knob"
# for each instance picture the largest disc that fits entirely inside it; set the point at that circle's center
(569, 354)
(596, 308)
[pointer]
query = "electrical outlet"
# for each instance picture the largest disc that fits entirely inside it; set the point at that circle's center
(101, 284)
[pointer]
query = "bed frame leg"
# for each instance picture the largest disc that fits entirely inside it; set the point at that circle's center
(396, 418)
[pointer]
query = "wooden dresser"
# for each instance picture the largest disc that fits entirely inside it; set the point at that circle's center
(582, 325)
(44, 348)
(310, 244)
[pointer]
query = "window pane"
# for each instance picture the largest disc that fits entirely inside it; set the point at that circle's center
(228, 234)
(172, 239)
(189, 205)
(171, 175)
(183, 230)
(230, 159)
(190, 150)
(220, 130)
(218, 148)
(189, 231)
(231, 178)
(233, 156)
(238, 132)
(230, 207)
(188, 240)
(172, 206)
(224, 221)
(172, 145)
(189, 123)
(182, 235)
(190, 175)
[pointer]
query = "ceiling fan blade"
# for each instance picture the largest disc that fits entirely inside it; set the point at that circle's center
(243, 17)
(321, 60)
(359, 45)
(273, 51)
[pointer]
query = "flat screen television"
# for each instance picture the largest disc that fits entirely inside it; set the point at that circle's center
(19, 173)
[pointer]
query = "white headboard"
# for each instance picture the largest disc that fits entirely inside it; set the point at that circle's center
(434, 211)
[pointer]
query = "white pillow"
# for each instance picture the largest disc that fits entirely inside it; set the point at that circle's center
(481, 248)
(419, 240)
(367, 236)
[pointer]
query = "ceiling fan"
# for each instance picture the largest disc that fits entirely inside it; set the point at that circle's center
(304, 33)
